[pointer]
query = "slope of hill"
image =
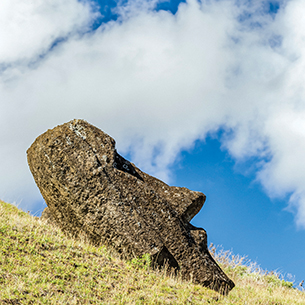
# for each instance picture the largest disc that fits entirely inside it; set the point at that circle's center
(40, 265)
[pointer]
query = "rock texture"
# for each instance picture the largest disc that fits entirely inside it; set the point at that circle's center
(90, 189)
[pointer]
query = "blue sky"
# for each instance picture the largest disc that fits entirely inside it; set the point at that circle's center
(238, 215)
(208, 95)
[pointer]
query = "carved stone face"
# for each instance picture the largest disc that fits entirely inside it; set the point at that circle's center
(90, 188)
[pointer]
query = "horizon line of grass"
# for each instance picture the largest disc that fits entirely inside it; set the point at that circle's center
(41, 265)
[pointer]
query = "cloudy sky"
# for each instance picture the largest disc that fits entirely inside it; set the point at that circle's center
(207, 95)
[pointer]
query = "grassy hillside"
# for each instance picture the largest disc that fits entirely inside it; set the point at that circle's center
(39, 265)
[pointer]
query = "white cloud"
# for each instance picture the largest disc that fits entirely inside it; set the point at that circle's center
(28, 28)
(157, 82)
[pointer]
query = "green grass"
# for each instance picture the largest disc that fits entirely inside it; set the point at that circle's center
(40, 265)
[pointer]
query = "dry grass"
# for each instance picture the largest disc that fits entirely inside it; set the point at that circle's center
(40, 265)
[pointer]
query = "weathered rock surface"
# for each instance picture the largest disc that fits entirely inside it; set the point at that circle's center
(90, 189)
